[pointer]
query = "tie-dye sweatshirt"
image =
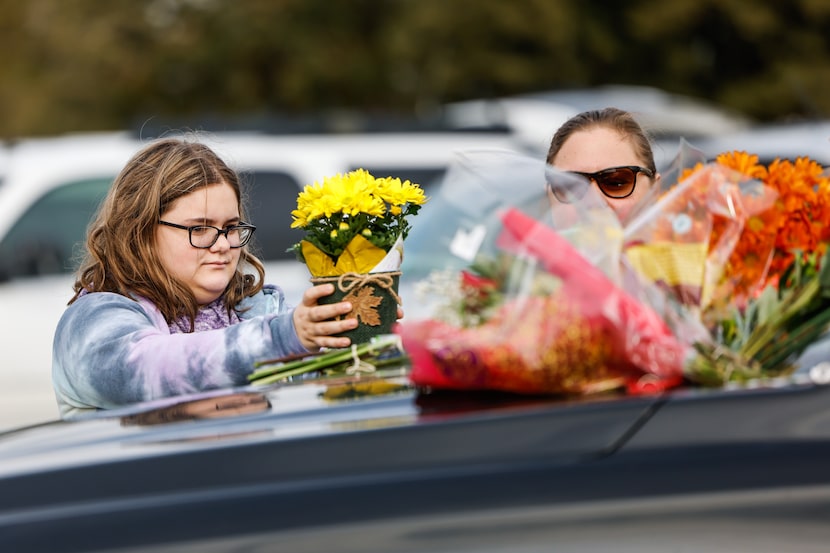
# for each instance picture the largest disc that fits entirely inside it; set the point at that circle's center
(110, 350)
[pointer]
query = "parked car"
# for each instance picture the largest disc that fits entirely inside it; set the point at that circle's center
(667, 117)
(4, 162)
(371, 463)
(781, 140)
(52, 187)
(374, 465)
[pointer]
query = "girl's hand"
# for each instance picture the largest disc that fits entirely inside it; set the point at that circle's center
(314, 323)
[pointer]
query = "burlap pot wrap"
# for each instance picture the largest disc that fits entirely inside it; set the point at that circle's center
(374, 298)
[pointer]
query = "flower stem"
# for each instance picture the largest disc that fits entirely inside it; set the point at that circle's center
(794, 305)
(796, 341)
(331, 359)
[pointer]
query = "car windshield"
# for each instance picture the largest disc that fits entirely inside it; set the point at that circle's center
(47, 237)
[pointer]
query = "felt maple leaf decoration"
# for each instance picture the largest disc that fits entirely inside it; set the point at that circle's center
(364, 306)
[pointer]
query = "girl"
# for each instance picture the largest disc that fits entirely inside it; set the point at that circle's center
(163, 301)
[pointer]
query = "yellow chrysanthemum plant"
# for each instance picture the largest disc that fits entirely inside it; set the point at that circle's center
(355, 227)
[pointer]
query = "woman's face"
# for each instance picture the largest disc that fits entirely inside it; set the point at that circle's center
(206, 272)
(598, 148)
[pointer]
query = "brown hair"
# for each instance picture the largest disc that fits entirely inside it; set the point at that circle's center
(121, 254)
(619, 120)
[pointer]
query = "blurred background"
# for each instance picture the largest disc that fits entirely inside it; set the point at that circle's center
(293, 90)
(86, 65)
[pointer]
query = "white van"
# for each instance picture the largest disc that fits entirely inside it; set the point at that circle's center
(51, 188)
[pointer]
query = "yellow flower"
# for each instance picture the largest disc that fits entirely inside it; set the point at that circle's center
(341, 208)
(348, 194)
(397, 193)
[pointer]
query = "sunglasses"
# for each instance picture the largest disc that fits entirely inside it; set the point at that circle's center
(614, 182)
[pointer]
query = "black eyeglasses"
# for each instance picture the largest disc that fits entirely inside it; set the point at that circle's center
(614, 182)
(205, 236)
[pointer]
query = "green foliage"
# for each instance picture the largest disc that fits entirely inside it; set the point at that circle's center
(765, 338)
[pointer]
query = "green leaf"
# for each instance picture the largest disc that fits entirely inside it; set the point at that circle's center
(765, 307)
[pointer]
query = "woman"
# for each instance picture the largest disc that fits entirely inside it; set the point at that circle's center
(610, 149)
(162, 304)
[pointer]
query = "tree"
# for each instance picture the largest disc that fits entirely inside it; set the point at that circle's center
(89, 65)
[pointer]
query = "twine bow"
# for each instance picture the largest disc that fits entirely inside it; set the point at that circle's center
(349, 281)
(360, 365)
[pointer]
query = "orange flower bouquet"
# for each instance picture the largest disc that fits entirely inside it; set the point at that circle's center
(709, 238)
(796, 225)
(741, 245)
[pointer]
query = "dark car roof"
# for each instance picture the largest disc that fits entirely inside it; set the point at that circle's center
(252, 460)
(315, 410)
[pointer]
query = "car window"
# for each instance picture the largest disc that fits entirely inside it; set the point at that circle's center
(270, 198)
(50, 234)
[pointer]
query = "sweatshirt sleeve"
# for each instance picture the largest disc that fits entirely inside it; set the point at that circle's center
(110, 350)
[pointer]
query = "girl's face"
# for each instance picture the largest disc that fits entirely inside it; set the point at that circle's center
(598, 148)
(206, 272)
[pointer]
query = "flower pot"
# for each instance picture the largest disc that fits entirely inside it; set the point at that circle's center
(374, 298)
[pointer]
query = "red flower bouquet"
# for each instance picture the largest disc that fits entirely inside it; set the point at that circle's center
(532, 313)
(585, 335)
